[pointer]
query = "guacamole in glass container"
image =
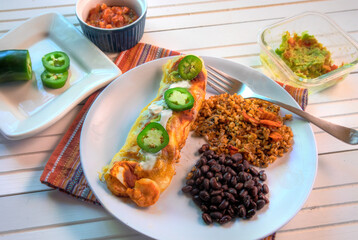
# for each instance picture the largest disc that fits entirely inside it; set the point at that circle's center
(304, 55)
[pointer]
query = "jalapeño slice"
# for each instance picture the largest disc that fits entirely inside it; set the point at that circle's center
(56, 62)
(153, 138)
(179, 99)
(54, 80)
(189, 67)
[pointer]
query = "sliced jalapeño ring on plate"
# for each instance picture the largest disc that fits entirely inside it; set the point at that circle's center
(56, 62)
(54, 80)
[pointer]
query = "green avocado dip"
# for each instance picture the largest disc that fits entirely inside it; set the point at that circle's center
(306, 57)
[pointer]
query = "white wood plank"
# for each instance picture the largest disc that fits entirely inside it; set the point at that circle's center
(219, 14)
(31, 161)
(323, 216)
(334, 108)
(350, 120)
(327, 144)
(29, 145)
(21, 182)
(337, 169)
(332, 196)
(348, 231)
(215, 6)
(47, 208)
(91, 230)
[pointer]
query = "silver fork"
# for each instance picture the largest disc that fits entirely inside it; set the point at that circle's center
(224, 83)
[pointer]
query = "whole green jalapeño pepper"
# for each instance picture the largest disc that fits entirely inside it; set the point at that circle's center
(189, 67)
(179, 99)
(153, 138)
(15, 65)
(56, 62)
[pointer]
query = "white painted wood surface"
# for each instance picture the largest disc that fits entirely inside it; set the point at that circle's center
(228, 29)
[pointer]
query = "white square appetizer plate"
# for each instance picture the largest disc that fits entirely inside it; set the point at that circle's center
(26, 108)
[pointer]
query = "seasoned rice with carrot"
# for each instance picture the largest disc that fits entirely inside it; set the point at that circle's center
(252, 127)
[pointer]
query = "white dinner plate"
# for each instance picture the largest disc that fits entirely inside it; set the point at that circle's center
(175, 216)
(26, 108)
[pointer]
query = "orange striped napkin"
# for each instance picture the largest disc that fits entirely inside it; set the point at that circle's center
(63, 171)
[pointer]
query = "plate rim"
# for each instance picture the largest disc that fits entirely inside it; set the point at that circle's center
(112, 72)
(311, 133)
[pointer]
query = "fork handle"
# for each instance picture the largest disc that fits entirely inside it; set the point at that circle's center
(347, 135)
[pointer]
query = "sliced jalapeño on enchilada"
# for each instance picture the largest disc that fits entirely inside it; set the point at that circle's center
(153, 138)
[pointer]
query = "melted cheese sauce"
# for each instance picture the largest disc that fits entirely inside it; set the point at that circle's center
(159, 108)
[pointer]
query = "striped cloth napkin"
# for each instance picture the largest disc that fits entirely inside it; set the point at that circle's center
(63, 170)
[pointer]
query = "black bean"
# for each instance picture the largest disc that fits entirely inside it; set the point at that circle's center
(209, 153)
(204, 195)
(253, 205)
(225, 219)
(263, 197)
(246, 201)
(197, 200)
(223, 169)
(206, 184)
(256, 180)
(230, 170)
(248, 176)
(232, 191)
(253, 171)
(209, 174)
(233, 181)
(216, 200)
(230, 211)
(204, 208)
(241, 211)
(230, 197)
(190, 182)
(214, 184)
(243, 193)
(224, 204)
(187, 189)
(262, 175)
(250, 213)
(197, 173)
(240, 167)
(204, 168)
(229, 162)
(204, 148)
(239, 186)
(216, 215)
(265, 189)
(246, 164)
(225, 187)
(260, 204)
(198, 181)
(213, 208)
(212, 162)
(241, 177)
(215, 168)
(253, 191)
(218, 176)
(194, 191)
(207, 219)
(249, 184)
(227, 176)
(236, 157)
(216, 192)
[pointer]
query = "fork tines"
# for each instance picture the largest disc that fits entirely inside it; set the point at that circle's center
(222, 82)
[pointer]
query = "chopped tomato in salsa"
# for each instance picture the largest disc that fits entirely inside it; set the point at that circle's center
(111, 17)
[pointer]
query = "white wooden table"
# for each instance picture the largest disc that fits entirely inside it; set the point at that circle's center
(227, 29)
